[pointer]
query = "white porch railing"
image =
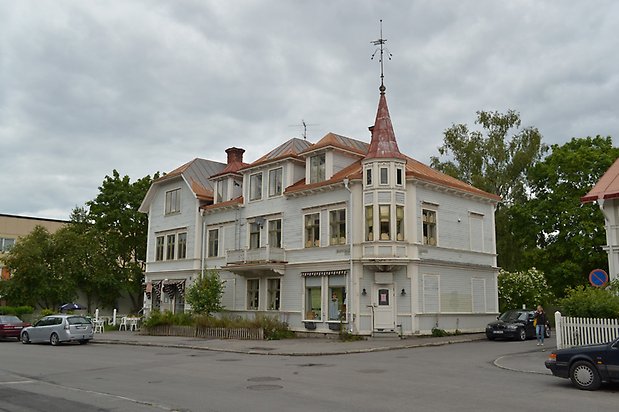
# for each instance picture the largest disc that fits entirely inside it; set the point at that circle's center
(584, 331)
(262, 254)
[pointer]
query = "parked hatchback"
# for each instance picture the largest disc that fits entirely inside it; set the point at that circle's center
(11, 326)
(56, 329)
(514, 324)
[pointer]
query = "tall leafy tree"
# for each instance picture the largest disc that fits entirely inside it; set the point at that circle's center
(38, 275)
(569, 235)
(497, 159)
(122, 229)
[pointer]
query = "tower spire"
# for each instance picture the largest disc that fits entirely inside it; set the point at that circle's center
(383, 50)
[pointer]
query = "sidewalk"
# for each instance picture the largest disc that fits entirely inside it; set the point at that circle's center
(531, 361)
(287, 347)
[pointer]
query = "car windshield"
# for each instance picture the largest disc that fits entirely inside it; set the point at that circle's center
(513, 315)
(9, 319)
(78, 320)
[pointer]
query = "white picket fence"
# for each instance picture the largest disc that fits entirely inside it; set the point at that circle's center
(584, 331)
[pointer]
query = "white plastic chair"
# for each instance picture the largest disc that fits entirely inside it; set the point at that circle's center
(123, 323)
(99, 326)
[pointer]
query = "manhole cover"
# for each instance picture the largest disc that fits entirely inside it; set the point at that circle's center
(264, 379)
(264, 387)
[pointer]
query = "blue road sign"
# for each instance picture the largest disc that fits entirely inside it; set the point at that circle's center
(598, 278)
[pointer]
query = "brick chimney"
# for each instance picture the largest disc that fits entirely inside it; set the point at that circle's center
(235, 155)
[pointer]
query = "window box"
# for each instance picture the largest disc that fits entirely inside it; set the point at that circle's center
(335, 326)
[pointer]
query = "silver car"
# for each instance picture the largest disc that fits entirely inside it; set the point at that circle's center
(56, 329)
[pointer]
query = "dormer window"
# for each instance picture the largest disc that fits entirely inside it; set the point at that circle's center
(317, 168)
(275, 182)
(172, 201)
(255, 186)
(384, 175)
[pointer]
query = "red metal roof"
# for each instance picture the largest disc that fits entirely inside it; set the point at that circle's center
(607, 187)
(383, 144)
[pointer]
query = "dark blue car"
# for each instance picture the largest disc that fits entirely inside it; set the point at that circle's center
(587, 366)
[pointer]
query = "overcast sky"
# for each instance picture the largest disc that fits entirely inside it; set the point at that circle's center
(87, 87)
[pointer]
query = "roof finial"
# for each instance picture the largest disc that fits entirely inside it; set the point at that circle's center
(382, 50)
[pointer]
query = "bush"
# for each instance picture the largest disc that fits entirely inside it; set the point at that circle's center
(439, 333)
(590, 302)
(204, 295)
(16, 310)
(157, 318)
(527, 288)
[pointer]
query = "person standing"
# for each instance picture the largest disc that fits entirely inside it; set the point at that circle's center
(540, 325)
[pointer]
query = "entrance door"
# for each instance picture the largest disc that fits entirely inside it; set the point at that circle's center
(384, 310)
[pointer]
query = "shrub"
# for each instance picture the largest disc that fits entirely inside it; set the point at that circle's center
(439, 333)
(590, 302)
(527, 288)
(204, 295)
(16, 310)
(157, 318)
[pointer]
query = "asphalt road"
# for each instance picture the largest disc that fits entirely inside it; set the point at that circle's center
(461, 377)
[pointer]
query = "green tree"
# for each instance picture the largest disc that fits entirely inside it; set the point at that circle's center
(38, 275)
(122, 231)
(496, 159)
(569, 235)
(204, 295)
(528, 288)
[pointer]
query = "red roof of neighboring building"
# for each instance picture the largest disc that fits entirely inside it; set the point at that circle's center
(607, 187)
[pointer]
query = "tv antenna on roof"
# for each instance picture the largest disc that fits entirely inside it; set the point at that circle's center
(380, 42)
(304, 126)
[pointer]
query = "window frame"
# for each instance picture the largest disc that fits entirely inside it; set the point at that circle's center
(399, 176)
(318, 170)
(275, 233)
(384, 223)
(337, 226)
(170, 252)
(399, 222)
(369, 223)
(181, 242)
(172, 201)
(253, 301)
(311, 229)
(274, 294)
(255, 186)
(429, 226)
(159, 248)
(276, 185)
(368, 176)
(213, 243)
(254, 235)
(312, 291)
(383, 176)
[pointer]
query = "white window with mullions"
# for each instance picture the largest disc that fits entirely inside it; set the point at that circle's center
(312, 230)
(384, 175)
(253, 294)
(275, 182)
(317, 168)
(275, 233)
(255, 186)
(273, 293)
(428, 218)
(172, 201)
(337, 227)
(213, 242)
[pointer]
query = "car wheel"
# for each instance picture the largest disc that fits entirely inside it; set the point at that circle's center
(585, 376)
(25, 338)
(490, 337)
(83, 341)
(54, 339)
(522, 334)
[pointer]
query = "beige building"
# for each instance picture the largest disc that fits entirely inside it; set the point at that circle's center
(13, 227)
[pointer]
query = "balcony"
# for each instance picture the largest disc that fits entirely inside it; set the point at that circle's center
(263, 254)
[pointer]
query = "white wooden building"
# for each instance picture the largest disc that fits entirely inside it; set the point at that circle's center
(321, 233)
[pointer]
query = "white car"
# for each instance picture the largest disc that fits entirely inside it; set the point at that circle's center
(56, 329)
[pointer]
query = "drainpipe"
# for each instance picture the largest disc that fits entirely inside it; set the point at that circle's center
(202, 254)
(350, 275)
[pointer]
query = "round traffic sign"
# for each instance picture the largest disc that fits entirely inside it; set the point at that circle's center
(598, 278)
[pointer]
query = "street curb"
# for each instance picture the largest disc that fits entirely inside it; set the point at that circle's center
(254, 352)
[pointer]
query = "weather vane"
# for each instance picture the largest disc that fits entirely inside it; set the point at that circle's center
(383, 50)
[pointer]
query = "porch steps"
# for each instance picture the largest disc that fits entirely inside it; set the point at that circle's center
(385, 334)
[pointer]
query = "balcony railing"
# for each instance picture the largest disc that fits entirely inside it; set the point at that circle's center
(262, 254)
